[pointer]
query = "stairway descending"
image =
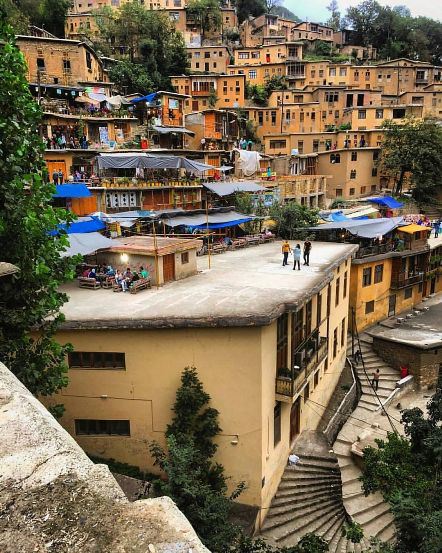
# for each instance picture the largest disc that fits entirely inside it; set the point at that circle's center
(371, 512)
(309, 499)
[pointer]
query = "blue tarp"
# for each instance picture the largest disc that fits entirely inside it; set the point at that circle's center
(386, 201)
(74, 190)
(86, 224)
(149, 98)
(338, 216)
(222, 225)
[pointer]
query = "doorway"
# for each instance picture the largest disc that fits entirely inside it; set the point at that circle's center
(295, 419)
(433, 286)
(168, 267)
(392, 305)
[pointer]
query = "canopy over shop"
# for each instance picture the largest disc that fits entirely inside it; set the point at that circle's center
(140, 161)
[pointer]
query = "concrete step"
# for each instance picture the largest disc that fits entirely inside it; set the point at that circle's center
(327, 467)
(310, 479)
(297, 506)
(329, 533)
(383, 391)
(288, 499)
(374, 513)
(292, 487)
(387, 532)
(368, 405)
(325, 460)
(312, 523)
(367, 506)
(312, 471)
(284, 524)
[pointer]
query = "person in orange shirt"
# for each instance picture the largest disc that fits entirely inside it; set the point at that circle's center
(285, 252)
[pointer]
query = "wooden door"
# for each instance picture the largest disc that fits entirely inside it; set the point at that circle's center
(194, 105)
(392, 305)
(168, 267)
(295, 419)
(56, 165)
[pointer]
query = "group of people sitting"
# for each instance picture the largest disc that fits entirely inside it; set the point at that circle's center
(124, 279)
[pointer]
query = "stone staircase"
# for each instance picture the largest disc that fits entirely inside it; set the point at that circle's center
(371, 512)
(309, 499)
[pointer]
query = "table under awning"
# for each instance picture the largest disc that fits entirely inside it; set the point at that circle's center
(77, 190)
(141, 160)
(168, 130)
(365, 228)
(227, 188)
(86, 244)
(214, 220)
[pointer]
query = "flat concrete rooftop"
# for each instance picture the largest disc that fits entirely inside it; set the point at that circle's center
(243, 288)
(423, 330)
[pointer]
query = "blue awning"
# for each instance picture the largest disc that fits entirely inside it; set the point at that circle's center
(386, 201)
(82, 225)
(74, 190)
(149, 98)
(222, 225)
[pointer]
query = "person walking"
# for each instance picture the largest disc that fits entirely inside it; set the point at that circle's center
(375, 380)
(436, 229)
(297, 257)
(285, 253)
(55, 177)
(307, 249)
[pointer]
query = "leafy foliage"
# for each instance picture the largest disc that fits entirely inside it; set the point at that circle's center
(414, 150)
(310, 543)
(47, 14)
(152, 45)
(292, 219)
(194, 481)
(334, 20)
(284, 12)
(207, 14)
(407, 470)
(246, 8)
(395, 33)
(132, 76)
(30, 299)
(353, 532)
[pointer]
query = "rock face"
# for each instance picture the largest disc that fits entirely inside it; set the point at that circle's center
(54, 499)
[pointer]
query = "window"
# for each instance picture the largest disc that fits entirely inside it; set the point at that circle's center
(255, 55)
(366, 277)
(345, 285)
(353, 174)
(376, 155)
(378, 273)
(273, 114)
(354, 156)
(89, 60)
(408, 292)
(342, 71)
(282, 342)
(85, 427)
(316, 145)
(277, 424)
(343, 332)
(338, 192)
(243, 55)
(332, 72)
(374, 172)
(352, 191)
(67, 65)
(197, 54)
(307, 392)
(335, 158)
(362, 114)
(398, 113)
(331, 97)
(369, 307)
(363, 189)
(316, 379)
(379, 114)
(276, 144)
(337, 292)
(335, 342)
(252, 74)
(184, 258)
(40, 63)
(301, 146)
(96, 360)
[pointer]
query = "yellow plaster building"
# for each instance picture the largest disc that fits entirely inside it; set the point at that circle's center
(268, 342)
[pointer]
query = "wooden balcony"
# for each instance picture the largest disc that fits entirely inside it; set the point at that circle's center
(143, 183)
(203, 92)
(302, 185)
(310, 356)
(402, 280)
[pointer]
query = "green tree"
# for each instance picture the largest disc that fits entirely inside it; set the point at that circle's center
(33, 301)
(293, 219)
(334, 20)
(413, 149)
(194, 480)
(150, 40)
(282, 11)
(207, 14)
(48, 14)
(132, 76)
(407, 471)
(249, 8)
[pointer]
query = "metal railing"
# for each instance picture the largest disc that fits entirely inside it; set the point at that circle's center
(367, 251)
(291, 382)
(401, 280)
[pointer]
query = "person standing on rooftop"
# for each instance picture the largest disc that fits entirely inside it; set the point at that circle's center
(297, 257)
(285, 252)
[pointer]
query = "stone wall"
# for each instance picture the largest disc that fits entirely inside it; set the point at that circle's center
(53, 499)
(423, 364)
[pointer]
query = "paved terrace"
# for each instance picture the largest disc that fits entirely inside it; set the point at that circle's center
(242, 288)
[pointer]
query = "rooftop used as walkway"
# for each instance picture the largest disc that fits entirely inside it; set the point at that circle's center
(246, 287)
(420, 328)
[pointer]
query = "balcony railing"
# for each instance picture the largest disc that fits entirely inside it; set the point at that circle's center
(307, 358)
(123, 182)
(401, 280)
(367, 251)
